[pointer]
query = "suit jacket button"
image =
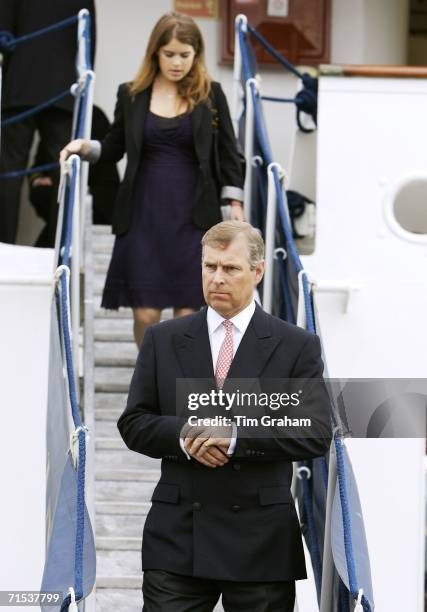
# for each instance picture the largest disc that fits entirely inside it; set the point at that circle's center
(235, 508)
(236, 466)
(197, 506)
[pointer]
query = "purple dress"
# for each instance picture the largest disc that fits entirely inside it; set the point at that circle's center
(157, 262)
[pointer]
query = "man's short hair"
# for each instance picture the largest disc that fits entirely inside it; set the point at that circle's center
(222, 234)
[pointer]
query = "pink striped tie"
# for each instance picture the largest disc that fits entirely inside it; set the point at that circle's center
(225, 356)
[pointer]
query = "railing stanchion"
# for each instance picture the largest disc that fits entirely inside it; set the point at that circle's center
(249, 148)
(237, 71)
(84, 172)
(83, 50)
(270, 237)
(75, 271)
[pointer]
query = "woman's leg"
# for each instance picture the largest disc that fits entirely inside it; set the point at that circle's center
(142, 318)
(181, 312)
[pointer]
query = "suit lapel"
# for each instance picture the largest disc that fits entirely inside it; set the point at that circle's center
(255, 348)
(138, 113)
(193, 349)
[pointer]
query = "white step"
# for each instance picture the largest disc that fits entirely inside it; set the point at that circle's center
(118, 525)
(101, 266)
(102, 243)
(98, 284)
(114, 380)
(118, 543)
(101, 229)
(122, 313)
(118, 582)
(113, 330)
(124, 491)
(110, 444)
(131, 474)
(123, 508)
(110, 401)
(116, 564)
(118, 600)
(107, 428)
(110, 414)
(108, 460)
(109, 354)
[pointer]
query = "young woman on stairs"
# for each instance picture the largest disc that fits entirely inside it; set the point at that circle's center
(174, 124)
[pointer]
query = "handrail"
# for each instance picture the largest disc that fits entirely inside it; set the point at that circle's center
(363, 70)
(305, 317)
(8, 42)
(270, 239)
(249, 150)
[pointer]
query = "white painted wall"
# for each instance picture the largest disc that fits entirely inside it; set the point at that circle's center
(381, 334)
(24, 345)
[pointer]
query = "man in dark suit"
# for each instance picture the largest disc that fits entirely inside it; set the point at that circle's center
(34, 72)
(223, 519)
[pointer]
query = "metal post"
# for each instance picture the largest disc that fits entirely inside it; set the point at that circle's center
(60, 220)
(249, 148)
(84, 175)
(270, 230)
(75, 269)
(237, 72)
(76, 93)
(82, 50)
(328, 562)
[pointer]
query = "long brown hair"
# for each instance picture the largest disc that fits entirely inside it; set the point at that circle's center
(195, 86)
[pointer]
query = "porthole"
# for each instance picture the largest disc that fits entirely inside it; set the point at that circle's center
(406, 212)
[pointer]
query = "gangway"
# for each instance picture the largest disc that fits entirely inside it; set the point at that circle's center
(349, 312)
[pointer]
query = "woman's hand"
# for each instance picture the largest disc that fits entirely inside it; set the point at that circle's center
(236, 211)
(75, 147)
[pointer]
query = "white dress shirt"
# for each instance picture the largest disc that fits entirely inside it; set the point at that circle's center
(216, 331)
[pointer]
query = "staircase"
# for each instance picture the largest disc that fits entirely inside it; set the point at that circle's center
(124, 480)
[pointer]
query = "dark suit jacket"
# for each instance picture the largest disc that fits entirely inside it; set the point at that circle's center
(39, 69)
(126, 136)
(235, 522)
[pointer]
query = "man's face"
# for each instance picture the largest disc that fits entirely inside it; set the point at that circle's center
(228, 280)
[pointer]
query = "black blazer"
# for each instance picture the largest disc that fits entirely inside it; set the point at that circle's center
(126, 136)
(39, 69)
(235, 522)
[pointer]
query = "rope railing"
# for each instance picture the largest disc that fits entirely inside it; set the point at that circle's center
(280, 194)
(62, 295)
(308, 102)
(81, 93)
(77, 576)
(35, 109)
(8, 42)
(80, 89)
(306, 98)
(18, 173)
